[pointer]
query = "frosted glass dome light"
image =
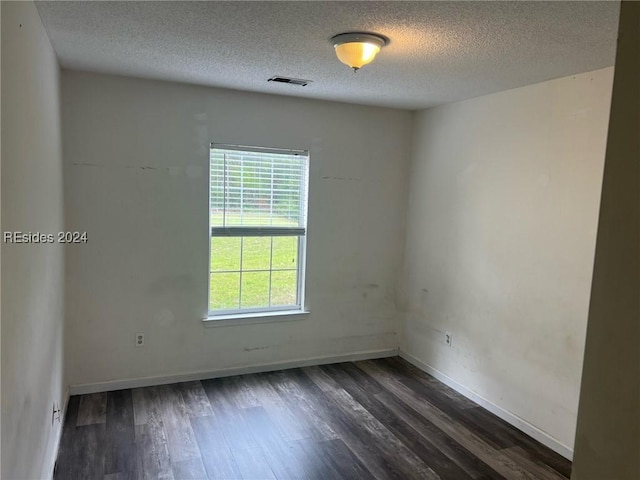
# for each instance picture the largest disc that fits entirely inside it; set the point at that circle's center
(357, 49)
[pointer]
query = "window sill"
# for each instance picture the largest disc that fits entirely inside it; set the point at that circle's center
(253, 318)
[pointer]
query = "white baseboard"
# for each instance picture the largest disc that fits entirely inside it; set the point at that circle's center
(227, 372)
(505, 415)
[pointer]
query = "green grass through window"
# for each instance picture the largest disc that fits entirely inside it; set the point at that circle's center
(255, 256)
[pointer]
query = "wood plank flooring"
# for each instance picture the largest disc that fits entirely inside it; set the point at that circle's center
(378, 419)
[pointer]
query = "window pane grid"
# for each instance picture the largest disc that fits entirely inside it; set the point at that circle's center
(275, 284)
(241, 254)
(270, 269)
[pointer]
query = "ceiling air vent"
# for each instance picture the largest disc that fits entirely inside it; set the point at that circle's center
(291, 81)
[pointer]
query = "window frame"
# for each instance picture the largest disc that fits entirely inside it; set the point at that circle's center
(266, 231)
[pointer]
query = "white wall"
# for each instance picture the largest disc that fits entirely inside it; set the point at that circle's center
(32, 275)
(136, 166)
(502, 220)
(0, 249)
(608, 431)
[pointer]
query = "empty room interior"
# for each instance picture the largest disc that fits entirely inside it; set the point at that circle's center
(320, 240)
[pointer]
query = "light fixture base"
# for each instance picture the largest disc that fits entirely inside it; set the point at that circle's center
(366, 37)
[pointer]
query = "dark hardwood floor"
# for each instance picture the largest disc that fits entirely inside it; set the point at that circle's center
(381, 419)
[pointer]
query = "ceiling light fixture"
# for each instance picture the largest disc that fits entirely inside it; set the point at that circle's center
(356, 49)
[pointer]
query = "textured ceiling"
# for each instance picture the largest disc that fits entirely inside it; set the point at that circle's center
(439, 51)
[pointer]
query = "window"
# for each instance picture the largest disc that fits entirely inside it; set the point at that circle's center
(258, 210)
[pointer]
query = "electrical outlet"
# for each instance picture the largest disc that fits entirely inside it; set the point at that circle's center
(56, 414)
(447, 338)
(139, 339)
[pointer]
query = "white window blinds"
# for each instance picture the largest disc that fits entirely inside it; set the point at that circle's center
(257, 191)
